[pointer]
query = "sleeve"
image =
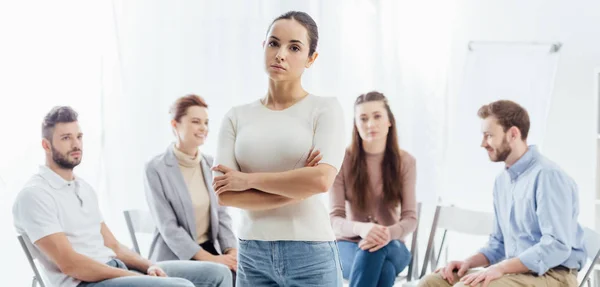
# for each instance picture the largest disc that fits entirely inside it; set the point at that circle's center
(337, 203)
(555, 209)
(329, 134)
(226, 144)
(36, 214)
(177, 238)
(226, 237)
(408, 213)
(494, 250)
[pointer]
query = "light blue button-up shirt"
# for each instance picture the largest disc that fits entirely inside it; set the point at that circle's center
(536, 207)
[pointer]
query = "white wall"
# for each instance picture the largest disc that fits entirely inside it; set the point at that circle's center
(570, 138)
(122, 85)
(214, 50)
(49, 56)
(166, 49)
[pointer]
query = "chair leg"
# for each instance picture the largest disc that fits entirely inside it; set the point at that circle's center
(415, 263)
(34, 282)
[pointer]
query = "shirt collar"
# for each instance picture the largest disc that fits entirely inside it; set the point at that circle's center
(53, 179)
(524, 162)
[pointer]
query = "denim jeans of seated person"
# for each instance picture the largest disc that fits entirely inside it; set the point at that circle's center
(288, 264)
(182, 273)
(380, 268)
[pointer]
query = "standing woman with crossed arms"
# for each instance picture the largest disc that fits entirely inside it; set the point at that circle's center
(285, 235)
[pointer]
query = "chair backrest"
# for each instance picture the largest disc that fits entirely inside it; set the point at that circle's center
(138, 221)
(464, 221)
(456, 219)
(413, 266)
(28, 249)
(592, 249)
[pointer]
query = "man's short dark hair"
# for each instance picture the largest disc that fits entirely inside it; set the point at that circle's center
(59, 114)
(509, 114)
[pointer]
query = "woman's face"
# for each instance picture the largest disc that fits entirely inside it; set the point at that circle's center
(372, 121)
(192, 128)
(286, 50)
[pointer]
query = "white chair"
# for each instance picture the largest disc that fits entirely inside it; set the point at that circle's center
(30, 252)
(592, 248)
(455, 219)
(138, 221)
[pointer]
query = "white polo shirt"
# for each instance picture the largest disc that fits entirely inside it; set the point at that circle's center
(49, 204)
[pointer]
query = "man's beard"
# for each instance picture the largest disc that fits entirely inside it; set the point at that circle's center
(63, 161)
(503, 152)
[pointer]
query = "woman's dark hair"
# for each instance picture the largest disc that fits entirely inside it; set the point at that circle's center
(308, 23)
(390, 166)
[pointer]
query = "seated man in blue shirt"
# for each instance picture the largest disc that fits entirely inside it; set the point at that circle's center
(536, 240)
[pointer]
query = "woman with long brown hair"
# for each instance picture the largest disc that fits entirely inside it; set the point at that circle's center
(373, 202)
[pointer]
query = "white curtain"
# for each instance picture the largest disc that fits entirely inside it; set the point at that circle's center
(214, 50)
(520, 72)
(51, 54)
(121, 64)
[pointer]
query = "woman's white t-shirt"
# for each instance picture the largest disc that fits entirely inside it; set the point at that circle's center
(254, 138)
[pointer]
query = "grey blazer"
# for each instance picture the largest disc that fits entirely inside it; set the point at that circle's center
(171, 208)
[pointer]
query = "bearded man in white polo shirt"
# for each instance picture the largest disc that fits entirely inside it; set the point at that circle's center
(59, 213)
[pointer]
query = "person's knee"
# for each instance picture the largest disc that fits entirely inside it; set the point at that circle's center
(403, 261)
(381, 253)
(433, 280)
(221, 272)
(388, 271)
(397, 253)
(364, 259)
(394, 244)
(201, 272)
(398, 247)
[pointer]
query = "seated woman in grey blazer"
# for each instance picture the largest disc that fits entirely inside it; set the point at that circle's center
(178, 184)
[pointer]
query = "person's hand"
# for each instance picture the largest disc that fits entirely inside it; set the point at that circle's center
(232, 252)
(154, 270)
(447, 272)
(231, 180)
(486, 276)
(374, 233)
(362, 228)
(374, 236)
(313, 159)
(371, 246)
(226, 260)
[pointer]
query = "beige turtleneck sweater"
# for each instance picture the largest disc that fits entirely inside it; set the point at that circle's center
(192, 174)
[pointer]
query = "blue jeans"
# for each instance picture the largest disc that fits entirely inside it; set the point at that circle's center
(181, 274)
(288, 264)
(379, 268)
